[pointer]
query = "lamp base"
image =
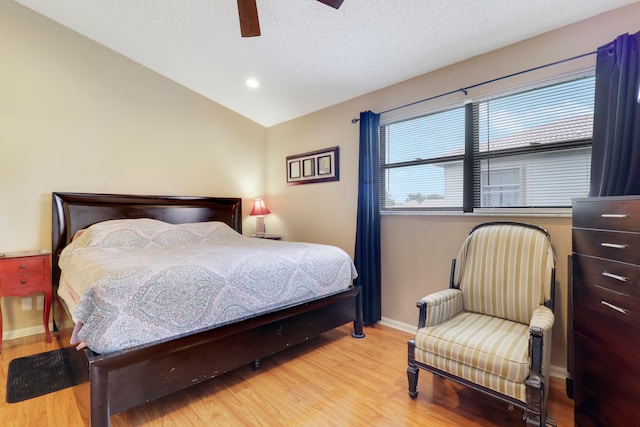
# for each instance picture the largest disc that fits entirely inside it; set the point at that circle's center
(259, 226)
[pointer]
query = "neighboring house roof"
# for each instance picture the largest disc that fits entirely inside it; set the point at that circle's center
(571, 129)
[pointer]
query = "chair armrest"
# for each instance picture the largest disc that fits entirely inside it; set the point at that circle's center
(437, 307)
(540, 328)
(542, 320)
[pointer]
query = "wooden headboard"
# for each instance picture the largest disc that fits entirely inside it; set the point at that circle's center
(74, 211)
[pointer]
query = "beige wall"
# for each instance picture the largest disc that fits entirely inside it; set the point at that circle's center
(75, 116)
(417, 250)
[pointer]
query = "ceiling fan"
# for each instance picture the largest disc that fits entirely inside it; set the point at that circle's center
(248, 11)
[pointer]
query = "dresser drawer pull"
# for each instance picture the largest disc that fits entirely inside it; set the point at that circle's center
(615, 276)
(23, 266)
(614, 245)
(615, 307)
(23, 281)
(614, 215)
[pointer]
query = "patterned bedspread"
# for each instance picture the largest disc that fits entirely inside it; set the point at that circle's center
(143, 280)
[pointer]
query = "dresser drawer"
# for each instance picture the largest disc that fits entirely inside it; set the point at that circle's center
(615, 245)
(616, 276)
(606, 380)
(609, 318)
(22, 265)
(610, 213)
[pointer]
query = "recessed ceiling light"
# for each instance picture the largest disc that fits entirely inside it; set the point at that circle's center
(252, 83)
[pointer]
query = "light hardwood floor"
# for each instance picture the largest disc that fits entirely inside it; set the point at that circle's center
(332, 380)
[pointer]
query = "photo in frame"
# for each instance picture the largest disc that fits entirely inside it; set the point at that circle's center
(314, 166)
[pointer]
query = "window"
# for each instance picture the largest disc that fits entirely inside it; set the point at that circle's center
(526, 149)
(423, 161)
(501, 187)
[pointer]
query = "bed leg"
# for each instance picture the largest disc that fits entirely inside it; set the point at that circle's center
(358, 331)
(255, 365)
(100, 413)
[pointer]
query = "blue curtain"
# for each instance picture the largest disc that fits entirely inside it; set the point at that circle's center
(615, 158)
(367, 251)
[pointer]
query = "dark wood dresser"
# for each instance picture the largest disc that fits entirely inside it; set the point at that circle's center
(606, 311)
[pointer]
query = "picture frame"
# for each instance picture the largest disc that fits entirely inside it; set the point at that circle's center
(314, 166)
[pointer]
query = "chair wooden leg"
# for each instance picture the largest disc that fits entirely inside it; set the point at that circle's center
(550, 421)
(412, 371)
(536, 412)
(412, 376)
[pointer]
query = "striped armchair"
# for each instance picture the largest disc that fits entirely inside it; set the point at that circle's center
(491, 330)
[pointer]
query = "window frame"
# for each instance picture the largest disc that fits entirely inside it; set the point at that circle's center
(521, 187)
(472, 156)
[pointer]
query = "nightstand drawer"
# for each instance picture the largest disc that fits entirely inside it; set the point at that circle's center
(20, 281)
(22, 265)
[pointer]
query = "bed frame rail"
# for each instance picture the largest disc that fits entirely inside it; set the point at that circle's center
(121, 382)
(115, 382)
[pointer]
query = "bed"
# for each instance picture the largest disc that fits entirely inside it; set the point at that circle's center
(115, 381)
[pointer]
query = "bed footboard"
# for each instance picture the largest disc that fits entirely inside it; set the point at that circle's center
(124, 380)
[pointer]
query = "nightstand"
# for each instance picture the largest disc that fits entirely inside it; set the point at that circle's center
(25, 273)
(267, 236)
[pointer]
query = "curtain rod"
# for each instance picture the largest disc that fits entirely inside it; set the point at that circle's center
(465, 89)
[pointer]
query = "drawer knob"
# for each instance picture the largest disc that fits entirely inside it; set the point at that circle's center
(605, 215)
(23, 266)
(614, 245)
(23, 281)
(615, 307)
(615, 276)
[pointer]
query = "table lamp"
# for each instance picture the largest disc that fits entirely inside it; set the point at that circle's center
(259, 211)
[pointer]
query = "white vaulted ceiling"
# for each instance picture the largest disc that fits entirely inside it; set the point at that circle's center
(309, 55)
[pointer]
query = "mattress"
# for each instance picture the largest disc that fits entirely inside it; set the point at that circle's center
(135, 282)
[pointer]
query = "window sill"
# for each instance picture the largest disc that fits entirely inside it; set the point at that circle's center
(504, 212)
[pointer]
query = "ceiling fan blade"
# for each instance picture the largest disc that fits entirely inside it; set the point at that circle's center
(249, 23)
(333, 3)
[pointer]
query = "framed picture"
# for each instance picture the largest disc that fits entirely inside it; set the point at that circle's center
(294, 170)
(324, 165)
(308, 168)
(315, 166)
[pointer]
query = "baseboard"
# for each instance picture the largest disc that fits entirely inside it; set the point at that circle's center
(404, 327)
(558, 372)
(24, 332)
(555, 371)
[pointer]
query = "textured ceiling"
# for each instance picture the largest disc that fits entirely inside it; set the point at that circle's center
(309, 56)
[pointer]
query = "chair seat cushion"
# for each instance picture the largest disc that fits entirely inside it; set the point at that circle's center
(481, 342)
(490, 381)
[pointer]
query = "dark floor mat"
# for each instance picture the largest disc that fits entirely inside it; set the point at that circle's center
(39, 374)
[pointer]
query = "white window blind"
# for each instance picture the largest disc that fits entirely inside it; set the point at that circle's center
(526, 149)
(422, 161)
(546, 132)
